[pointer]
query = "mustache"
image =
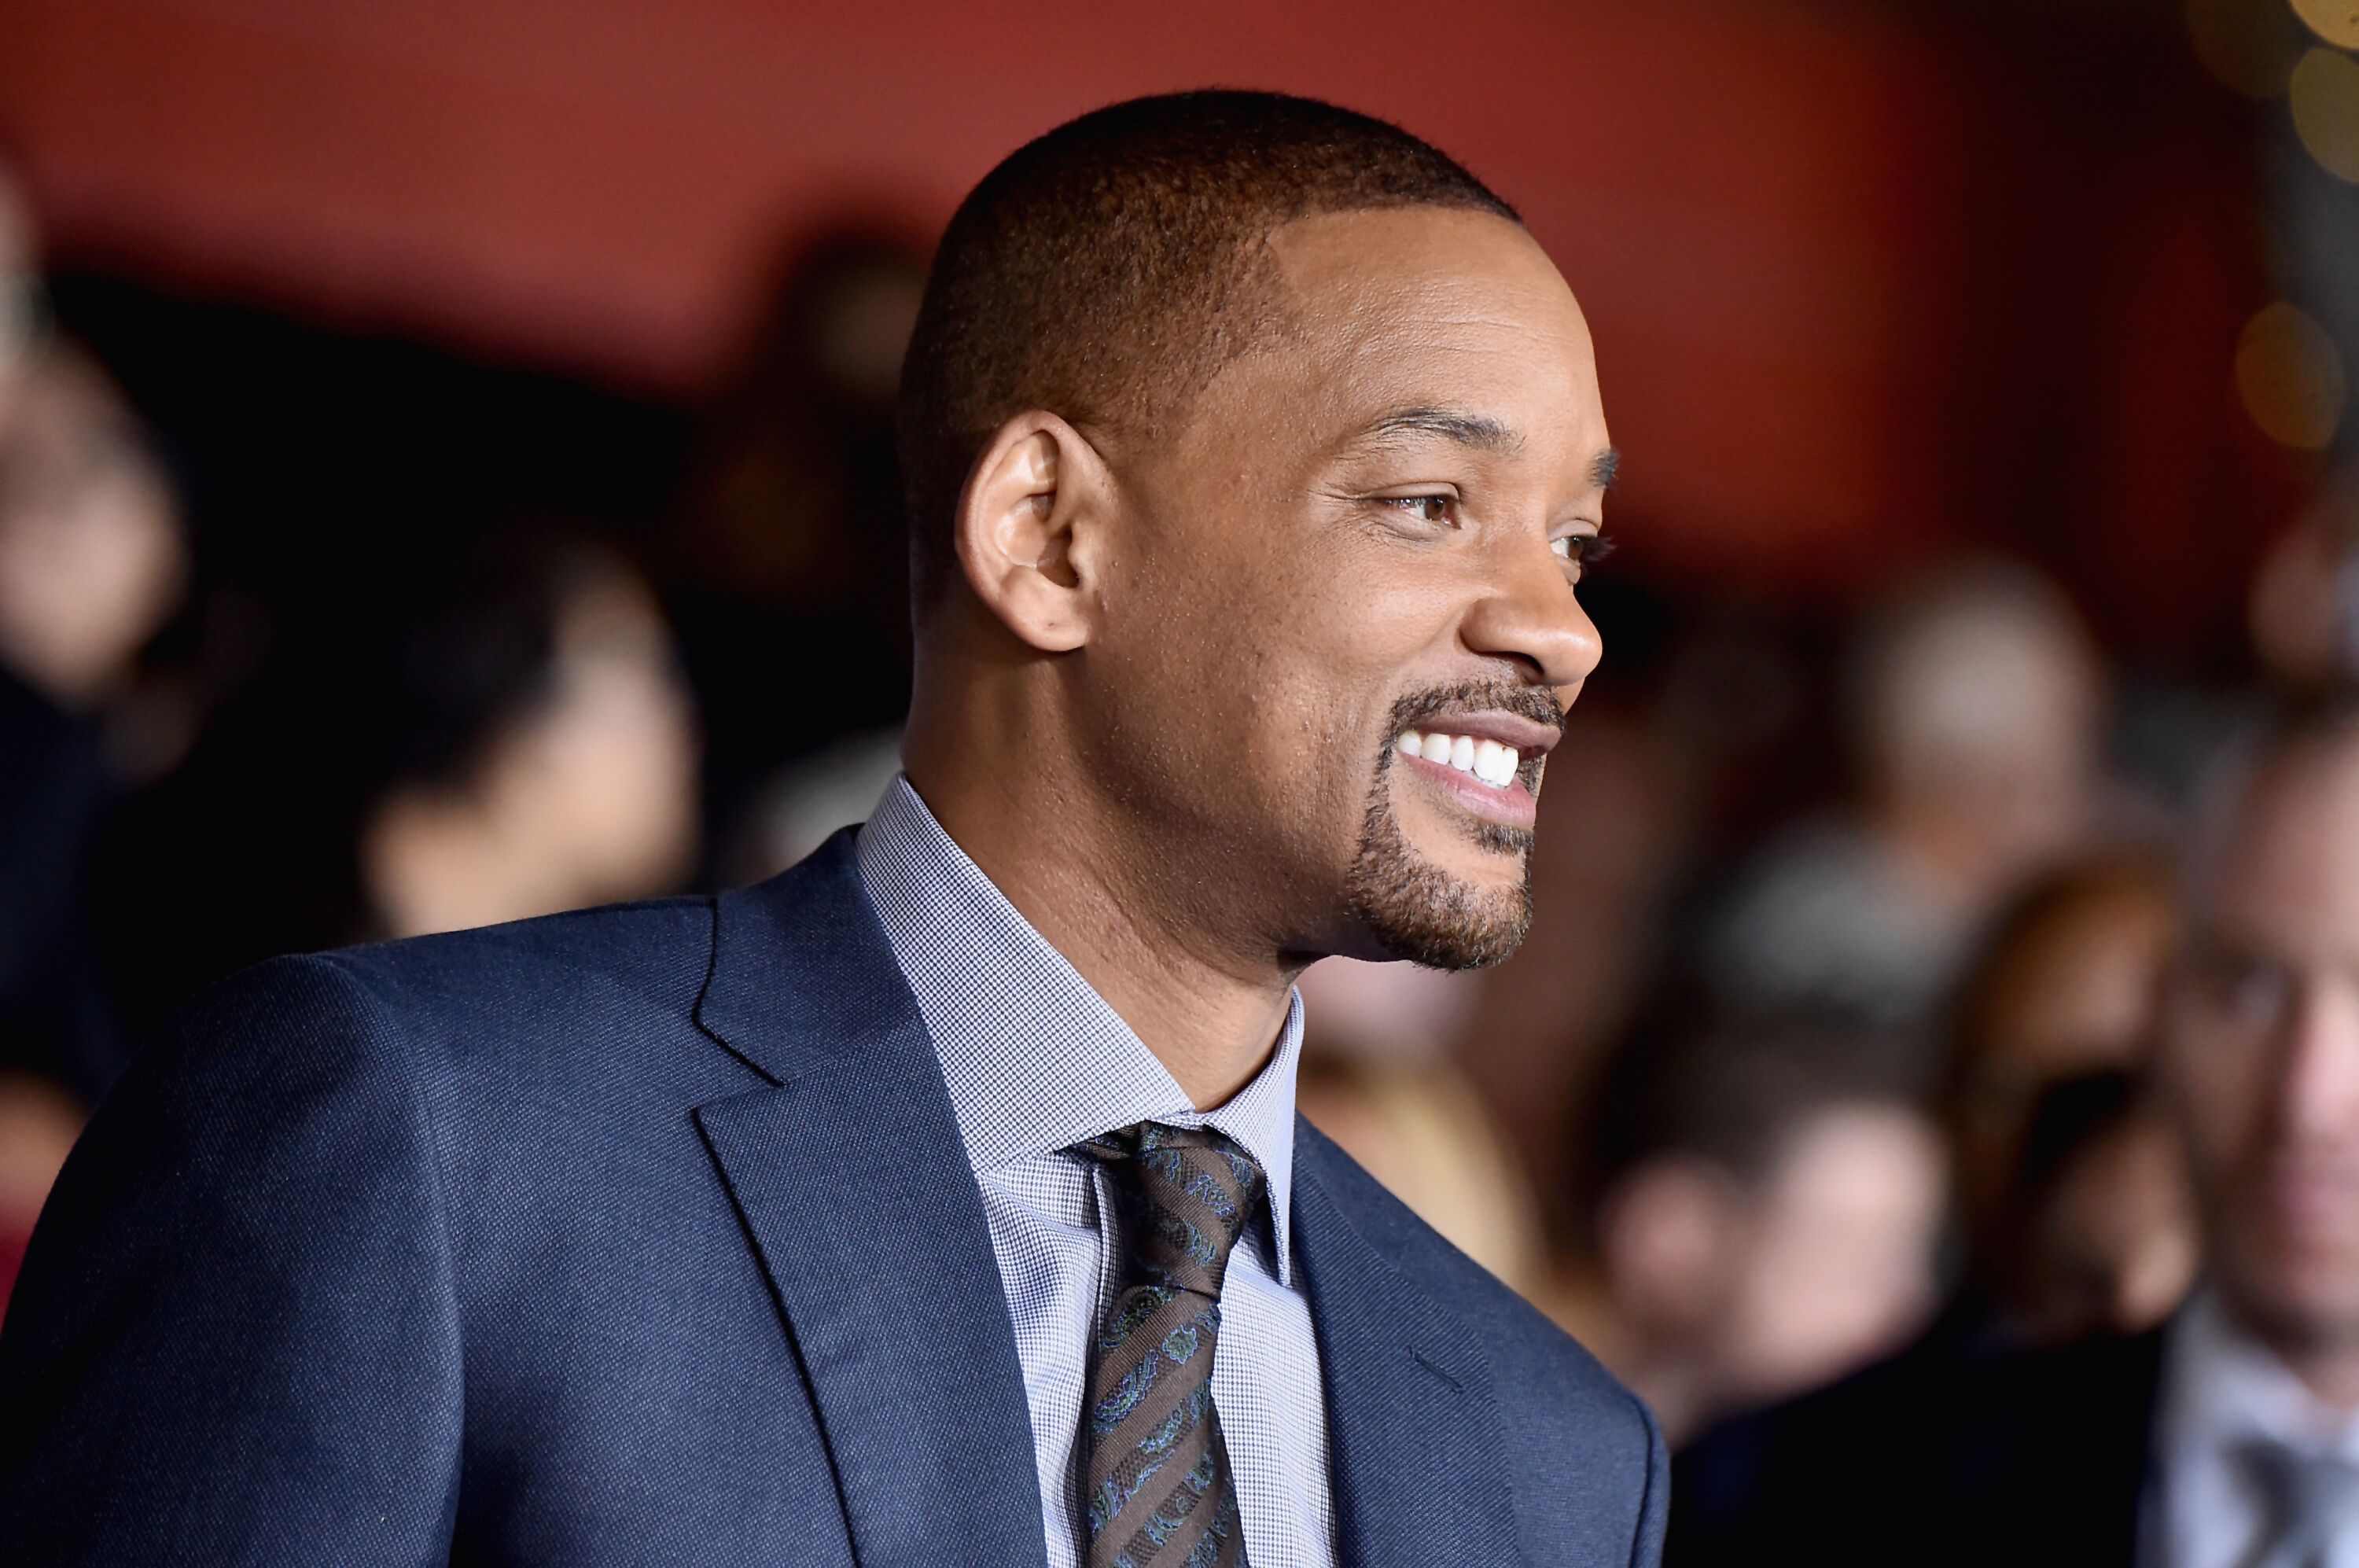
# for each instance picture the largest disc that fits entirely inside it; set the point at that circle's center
(1538, 703)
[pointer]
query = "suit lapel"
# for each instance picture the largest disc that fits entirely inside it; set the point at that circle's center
(1415, 1440)
(855, 1192)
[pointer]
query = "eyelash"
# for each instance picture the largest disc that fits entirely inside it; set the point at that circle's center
(1585, 549)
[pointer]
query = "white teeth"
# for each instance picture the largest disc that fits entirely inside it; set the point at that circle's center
(1494, 764)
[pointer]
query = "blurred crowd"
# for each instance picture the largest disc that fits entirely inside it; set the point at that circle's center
(1836, 1036)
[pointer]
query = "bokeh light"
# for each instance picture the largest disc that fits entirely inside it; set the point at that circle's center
(2336, 21)
(2326, 111)
(2291, 377)
(2242, 43)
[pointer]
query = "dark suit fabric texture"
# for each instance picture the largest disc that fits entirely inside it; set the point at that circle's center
(645, 1235)
(1953, 1453)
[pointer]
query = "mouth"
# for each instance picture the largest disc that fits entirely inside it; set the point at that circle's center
(2312, 1199)
(1488, 763)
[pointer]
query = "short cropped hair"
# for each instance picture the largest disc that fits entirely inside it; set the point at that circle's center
(1107, 271)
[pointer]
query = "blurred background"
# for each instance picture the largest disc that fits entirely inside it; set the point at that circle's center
(445, 476)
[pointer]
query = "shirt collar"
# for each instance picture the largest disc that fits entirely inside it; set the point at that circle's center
(2225, 1388)
(1035, 1059)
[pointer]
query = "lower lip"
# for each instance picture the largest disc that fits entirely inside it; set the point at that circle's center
(1512, 807)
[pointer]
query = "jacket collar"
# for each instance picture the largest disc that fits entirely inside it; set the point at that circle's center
(1416, 1443)
(919, 1389)
(848, 1172)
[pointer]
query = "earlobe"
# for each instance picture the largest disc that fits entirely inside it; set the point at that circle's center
(1026, 520)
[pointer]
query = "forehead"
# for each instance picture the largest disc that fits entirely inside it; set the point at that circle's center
(2287, 870)
(1422, 307)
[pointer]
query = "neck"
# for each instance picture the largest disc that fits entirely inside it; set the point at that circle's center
(2335, 1381)
(2326, 1364)
(1211, 1013)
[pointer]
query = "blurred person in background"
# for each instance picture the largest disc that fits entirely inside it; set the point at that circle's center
(2072, 1209)
(38, 1122)
(93, 558)
(2257, 1418)
(2230, 1436)
(557, 772)
(786, 546)
(1975, 709)
(93, 561)
(2071, 1199)
(2098, 1225)
(1766, 1204)
(476, 735)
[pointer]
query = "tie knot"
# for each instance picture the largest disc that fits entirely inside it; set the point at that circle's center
(1184, 1195)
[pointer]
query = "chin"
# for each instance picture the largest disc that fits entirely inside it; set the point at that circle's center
(2295, 1294)
(1465, 905)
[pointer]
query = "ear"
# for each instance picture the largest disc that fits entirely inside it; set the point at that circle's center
(1031, 527)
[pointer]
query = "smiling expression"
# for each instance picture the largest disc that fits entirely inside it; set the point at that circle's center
(1369, 528)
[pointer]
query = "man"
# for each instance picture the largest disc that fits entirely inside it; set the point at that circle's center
(2232, 1436)
(941, 1201)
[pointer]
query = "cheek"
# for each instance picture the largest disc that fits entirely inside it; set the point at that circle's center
(2214, 1084)
(1297, 653)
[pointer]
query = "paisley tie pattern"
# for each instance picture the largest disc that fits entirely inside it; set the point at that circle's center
(1160, 1492)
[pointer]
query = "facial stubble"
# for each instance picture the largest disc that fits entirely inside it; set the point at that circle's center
(1413, 908)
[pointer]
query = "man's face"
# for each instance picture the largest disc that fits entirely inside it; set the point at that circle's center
(2262, 1051)
(1370, 526)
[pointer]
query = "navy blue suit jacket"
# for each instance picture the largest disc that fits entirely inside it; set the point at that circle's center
(645, 1235)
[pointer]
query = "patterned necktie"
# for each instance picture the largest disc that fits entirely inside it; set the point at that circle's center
(1161, 1494)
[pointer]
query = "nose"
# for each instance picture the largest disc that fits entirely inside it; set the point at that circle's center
(2317, 1087)
(1528, 614)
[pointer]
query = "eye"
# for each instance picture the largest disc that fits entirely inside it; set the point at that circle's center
(2242, 989)
(1582, 550)
(1433, 509)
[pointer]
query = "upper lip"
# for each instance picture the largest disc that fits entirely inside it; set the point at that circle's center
(1530, 737)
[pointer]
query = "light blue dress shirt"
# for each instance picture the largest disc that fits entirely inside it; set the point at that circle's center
(2222, 1389)
(1036, 1062)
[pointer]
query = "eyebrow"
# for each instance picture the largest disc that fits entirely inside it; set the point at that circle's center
(1478, 431)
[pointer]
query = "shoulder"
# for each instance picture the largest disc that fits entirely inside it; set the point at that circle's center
(402, 1025)
(548, 972)
(557, 974)
(653, 953)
